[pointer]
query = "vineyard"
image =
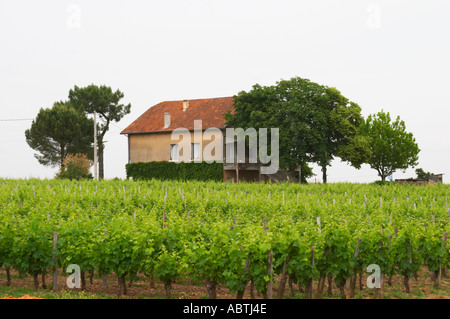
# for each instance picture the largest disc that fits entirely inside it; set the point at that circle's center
(238, 236)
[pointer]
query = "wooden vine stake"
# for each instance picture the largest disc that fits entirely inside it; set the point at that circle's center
(353, 277)
(55, 269)
(240, 294)
(437, 275)
(283, 280)
(105, 277)
(270, 283)
(408, 279)
(379, 292)
(322, 278)
(309, 285)
(270, 267)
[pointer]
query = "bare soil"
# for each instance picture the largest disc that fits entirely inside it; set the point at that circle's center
(185, 289)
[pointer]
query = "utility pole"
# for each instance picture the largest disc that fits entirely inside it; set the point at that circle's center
(95, 146)
(237, 166)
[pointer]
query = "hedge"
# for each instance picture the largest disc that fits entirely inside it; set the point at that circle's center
(176, 171)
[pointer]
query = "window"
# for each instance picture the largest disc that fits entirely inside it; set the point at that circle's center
(195, 151)
(174, 152)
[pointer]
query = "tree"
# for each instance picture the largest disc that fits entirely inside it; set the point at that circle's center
(315, 121)
(75, 167)
(263, 107)
(105, 103)
(357, 151)
(392, 147)
(337, 120)
(59, 131)
(422, 175)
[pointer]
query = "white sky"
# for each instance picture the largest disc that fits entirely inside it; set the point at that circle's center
(391, 55)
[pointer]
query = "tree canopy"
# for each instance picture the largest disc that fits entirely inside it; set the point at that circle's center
(59, 131)
(106, 103)
(391, 146)
(315, 121)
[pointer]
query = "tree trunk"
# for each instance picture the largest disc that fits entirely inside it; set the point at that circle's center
(353, 284)
(309, 290)
(324, 174)
(44, 284)
(83, 281)
(408, 283)
(105, 281)
(8, 276)
(360, 280)
(124, 285)
(168, 288)
(300, 288)
(330, 284)
(284, 277)
(379, 292)
(36, 281)
(101, 168)
(119, 290)
(436, 277)
(321, 286)
(252, 290)
(342, 289)
(152, 282)
(240, 294)
(291, 285)
(211, 286)
(62, 154)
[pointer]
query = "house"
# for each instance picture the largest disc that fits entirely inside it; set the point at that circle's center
(152, 137)
(432, 179)
(438, 178)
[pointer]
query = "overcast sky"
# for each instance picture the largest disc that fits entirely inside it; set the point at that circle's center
(392, 55)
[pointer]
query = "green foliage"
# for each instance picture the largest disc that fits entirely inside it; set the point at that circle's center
(315, 121)
(197, 230)
(75, 167)
(106, 103)
(175, 171)
(421, 175)
(356, 152)
(59, 131)
(391, 146)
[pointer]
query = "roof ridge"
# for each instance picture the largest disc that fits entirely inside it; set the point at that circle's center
(208, 98)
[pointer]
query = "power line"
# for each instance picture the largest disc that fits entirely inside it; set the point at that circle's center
(14, 120)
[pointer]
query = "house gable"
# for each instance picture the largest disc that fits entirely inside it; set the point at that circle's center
(209, 111)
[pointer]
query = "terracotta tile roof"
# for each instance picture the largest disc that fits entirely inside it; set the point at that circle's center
(210, 111)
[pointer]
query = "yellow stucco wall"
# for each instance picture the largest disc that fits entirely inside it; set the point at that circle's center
(156, 147)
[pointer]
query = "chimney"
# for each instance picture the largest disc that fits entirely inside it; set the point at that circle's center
(166, 120)
(185, 105)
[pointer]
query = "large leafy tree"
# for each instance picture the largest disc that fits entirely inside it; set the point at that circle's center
(336, 122)
(264, 107)
(59, 131)
(106, 103)
(315, 121)
(391, 146)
